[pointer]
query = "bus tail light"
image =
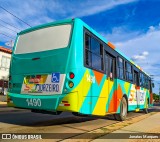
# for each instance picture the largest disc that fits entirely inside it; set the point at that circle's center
(71, 75)
(71, 84)
(66, 104)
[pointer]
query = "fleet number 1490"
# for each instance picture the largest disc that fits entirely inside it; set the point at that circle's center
(33, 102)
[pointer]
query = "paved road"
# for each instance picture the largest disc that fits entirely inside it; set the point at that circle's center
(24, 121)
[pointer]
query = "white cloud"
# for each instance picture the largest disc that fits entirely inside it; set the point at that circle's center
(32, 12)
(119, 34)
(145, 53)
(10, 44)
(145, 50)
(151, 28)
(141, 56)
(35, 12)
(89, 8)
(138, 57)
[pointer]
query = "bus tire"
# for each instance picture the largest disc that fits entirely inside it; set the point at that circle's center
(146, 107)
(123, 110)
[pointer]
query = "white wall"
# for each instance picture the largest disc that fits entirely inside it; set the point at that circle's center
(4, 74)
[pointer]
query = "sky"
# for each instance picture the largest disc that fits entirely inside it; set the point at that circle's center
(133, 26)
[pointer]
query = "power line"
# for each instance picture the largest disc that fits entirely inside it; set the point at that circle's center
(10, 34)
(8, 28)
(7, 36)
(9, 24)
(15, 16)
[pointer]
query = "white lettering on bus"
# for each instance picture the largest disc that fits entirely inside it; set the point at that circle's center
(33, 102)
(47, 87)
(90, 78)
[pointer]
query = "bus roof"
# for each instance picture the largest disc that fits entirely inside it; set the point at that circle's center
(46, 25)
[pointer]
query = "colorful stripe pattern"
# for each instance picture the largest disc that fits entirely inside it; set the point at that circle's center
(102, 96)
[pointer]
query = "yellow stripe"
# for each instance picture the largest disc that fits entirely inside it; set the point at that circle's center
(126, 86)
(100, 108)
(82, 89)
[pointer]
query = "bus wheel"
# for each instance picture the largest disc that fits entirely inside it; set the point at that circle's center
(146, 107)
(123, 110)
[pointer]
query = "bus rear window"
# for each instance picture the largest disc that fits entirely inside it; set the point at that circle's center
(49, 38)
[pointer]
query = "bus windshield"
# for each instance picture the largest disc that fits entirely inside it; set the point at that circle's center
(48, 38)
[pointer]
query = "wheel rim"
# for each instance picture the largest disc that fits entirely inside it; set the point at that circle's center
(124, 108)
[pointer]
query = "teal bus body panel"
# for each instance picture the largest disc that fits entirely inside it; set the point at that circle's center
(47, 102)
(63, 60)
(46, 63)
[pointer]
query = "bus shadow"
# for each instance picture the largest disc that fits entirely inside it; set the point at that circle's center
(36, 119)
(27, 118)
(73, 120)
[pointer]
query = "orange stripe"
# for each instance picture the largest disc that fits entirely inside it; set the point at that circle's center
(119, 96)
(116, 99)
(137, 87)
(112, 103)
(98, 76)
(111, 45)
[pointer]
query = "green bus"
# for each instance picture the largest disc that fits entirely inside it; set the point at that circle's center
(68, 66)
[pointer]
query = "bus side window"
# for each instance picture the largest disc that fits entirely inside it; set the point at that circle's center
(150, 86)
(87, 50)
(112, 68)
(106, 64)
(120, 68)
(146, 82)
(93, 52)
(136, 79)
(129, 73)
(141, 79)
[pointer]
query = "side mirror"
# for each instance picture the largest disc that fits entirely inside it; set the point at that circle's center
(152, 85)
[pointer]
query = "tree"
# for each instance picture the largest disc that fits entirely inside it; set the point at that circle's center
(155, 97)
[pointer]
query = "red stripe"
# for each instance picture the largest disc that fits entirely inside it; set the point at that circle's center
(137, 87)
(66, 104)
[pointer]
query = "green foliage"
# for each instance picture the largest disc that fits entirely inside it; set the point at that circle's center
(155, 97)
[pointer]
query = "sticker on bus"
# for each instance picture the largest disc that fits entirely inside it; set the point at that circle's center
(43, 84)
(55, 77)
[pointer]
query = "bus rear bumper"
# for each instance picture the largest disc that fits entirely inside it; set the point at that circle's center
(35, 101)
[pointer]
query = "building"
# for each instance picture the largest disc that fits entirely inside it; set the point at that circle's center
(5, 57)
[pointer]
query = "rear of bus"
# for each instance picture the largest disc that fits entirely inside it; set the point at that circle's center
(43, 68)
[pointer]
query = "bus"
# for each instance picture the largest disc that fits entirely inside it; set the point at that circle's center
(67, 66)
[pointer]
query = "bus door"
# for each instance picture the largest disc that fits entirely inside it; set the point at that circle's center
(137, 88)
(110, 75)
